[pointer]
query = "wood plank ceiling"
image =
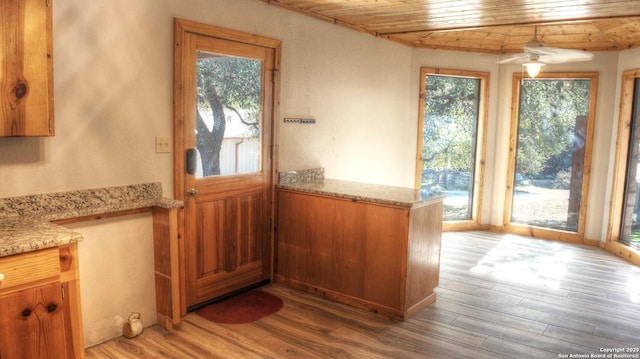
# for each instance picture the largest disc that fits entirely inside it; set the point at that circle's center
(487, 26)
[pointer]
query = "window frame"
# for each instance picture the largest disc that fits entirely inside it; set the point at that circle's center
(479, 166)
(543, 232)
(620, 170)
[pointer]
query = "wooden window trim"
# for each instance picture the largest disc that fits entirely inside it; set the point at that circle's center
(474, 222)
(540, 232)
(620, 171)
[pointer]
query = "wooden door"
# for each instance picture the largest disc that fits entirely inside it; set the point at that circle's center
(32, 323)
(225, 84)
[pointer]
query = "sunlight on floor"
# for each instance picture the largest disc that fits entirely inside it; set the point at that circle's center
(634, 288)
(511, 260)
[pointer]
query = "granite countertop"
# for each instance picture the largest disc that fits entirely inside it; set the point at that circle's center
(25, 222)
(366, 192)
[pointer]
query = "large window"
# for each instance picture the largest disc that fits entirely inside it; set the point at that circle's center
(623, 236)
(450, 150)
(630, 228)
(550, 153)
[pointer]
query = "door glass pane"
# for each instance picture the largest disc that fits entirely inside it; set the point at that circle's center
(630, 231)
(550, 152)
(228, 114)
(449, 141)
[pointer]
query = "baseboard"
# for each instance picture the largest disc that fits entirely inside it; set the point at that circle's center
(623, 251)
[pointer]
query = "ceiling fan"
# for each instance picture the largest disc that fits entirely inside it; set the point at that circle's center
(536, 55)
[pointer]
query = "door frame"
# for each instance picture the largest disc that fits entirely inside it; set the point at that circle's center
(180, 111)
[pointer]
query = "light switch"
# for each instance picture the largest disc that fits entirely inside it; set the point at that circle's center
(163, 144)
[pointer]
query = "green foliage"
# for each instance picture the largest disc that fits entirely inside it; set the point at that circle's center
(224, 83)
(230, 83)
(451, 112)
(548, 110)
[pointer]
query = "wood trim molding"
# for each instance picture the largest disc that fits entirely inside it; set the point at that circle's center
(621, 155)
(540, 232)
(95, 217)
(620, 169)
(623, 251)
(481, 139)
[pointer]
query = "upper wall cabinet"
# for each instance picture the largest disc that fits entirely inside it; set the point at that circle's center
(26, 68)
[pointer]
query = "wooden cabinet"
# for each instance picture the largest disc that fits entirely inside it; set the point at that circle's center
(26, 68)
(32, 323)
(382, 258)
(40, 306)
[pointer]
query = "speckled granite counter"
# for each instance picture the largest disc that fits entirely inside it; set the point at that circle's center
(357, 191)
(25, 221)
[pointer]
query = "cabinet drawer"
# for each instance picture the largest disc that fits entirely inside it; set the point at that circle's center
(33, 268)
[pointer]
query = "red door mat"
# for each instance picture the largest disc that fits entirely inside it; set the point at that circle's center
(242, 308)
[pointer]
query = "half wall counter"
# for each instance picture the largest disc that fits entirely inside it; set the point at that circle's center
(38, 254)
(371, 246)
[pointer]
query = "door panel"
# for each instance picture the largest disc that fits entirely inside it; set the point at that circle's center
(224, 91)
(230, 246)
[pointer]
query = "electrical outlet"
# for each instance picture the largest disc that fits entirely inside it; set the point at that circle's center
(163, 144)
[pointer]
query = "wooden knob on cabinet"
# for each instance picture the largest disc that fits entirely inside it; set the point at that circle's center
(1, 277)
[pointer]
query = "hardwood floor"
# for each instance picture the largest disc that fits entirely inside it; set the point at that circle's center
(500, 296)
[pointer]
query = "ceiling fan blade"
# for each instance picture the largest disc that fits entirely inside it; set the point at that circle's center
(517, 58)
(554, 55)
(535, 50)
(567, 55)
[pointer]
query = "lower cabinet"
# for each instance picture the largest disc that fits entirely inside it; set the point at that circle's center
(32, 323)
(40, 313)
(381, 258)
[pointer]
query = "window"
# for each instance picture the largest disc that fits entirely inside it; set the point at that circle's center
(550, 154)
(228, 112)
(630, 228)
(624, 235)
(451, 140)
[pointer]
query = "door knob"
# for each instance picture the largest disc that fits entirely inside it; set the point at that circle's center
(193, 192)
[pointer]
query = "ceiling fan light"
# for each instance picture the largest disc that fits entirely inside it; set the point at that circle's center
(533, 68)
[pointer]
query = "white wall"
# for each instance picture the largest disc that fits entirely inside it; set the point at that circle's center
(113, 68)
(116, 274)
(113, 95)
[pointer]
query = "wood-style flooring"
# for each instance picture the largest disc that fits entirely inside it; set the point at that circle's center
(500, 296)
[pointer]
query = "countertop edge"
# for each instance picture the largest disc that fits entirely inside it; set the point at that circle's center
(378, 194)
(34, 230)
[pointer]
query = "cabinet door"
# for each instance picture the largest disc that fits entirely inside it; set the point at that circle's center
(26, 68)
(32, 323)
(353, 248)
